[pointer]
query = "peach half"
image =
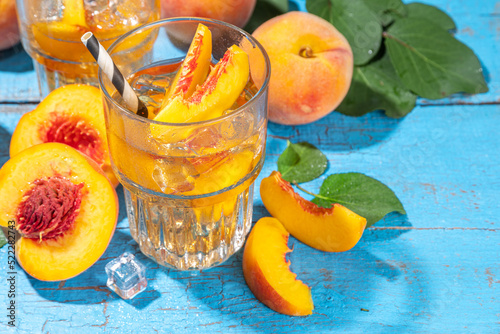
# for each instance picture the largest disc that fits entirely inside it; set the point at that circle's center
(194, 68)
(267, 272)
(63, 207)
(334, 229)
(71, 115)
(312, 65)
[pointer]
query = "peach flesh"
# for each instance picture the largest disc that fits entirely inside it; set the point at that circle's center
(334, 229)
(75, 133)
(267, 272)
(311, 63)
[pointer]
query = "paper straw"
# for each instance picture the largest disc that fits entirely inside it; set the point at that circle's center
(109, 68)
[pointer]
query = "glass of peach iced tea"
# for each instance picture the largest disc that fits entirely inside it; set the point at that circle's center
(188, 169)
(51, 32)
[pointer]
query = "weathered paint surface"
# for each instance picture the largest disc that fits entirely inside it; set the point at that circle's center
(434, 270)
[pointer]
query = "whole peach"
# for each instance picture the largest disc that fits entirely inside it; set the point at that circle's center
(311, 67)
(236, 12)
(8, 24)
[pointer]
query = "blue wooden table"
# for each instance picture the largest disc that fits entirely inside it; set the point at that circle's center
(434, 270)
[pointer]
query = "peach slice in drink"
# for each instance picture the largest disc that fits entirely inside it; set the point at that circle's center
(220, 90)
(194, 68)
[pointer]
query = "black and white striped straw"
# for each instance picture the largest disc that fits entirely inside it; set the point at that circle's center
(109, 68)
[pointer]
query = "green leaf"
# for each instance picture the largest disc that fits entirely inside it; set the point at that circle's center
(387, 10)
(430, 61)
(359, 25)
(301, 162)
(265, 10)
(430, 13)
(362, 194)
(3, 240)
(377, 86)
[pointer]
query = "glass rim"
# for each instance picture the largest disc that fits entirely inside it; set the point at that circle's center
(129, 113)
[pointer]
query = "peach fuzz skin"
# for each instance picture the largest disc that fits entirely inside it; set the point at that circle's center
(335, 229)
(312, 65)
(236, 12)
(8, 24)
(267, 272)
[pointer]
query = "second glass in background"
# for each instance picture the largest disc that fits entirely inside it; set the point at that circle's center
(51, 32)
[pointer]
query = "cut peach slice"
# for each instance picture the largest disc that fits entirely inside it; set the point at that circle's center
(267, 272)
(334, 229)
(71, 115)
(74, 13)
(194, 68)
(217, 94)
(62, 205)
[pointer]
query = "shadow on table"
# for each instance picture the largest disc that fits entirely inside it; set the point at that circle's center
(90, 286)
(342, 284)
(338, 132)
(16, 60)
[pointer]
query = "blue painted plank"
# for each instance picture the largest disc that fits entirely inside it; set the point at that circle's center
(415, 281)
(437, 160)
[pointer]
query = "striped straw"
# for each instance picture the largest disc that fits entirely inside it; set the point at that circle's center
(109, 68)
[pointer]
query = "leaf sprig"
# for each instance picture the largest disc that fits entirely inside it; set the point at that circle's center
(364, 195)
(400, 52)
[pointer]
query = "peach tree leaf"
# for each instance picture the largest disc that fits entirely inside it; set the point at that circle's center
(361, 194)
(431, 62)
(265, 10)
(356, 21)
(301, 162)
(377, 86)
(430, 13)
(387, 10)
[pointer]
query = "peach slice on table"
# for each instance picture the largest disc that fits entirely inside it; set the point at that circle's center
(218, 92)
(194, 68)
(71, 115)
(267, 272)
(334, 229)
(63, 207)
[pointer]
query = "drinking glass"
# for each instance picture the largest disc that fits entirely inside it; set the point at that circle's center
(51, 32)
(189, 195)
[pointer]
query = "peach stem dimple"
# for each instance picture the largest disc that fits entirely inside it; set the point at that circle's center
(306, 52)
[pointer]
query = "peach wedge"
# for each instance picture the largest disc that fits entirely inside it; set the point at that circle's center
(194, 68)
(334, 229)
(267, 272)
(217, 94)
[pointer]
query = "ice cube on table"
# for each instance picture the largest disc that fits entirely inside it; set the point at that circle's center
(126, 276)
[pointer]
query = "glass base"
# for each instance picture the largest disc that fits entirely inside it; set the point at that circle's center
(187, 238)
